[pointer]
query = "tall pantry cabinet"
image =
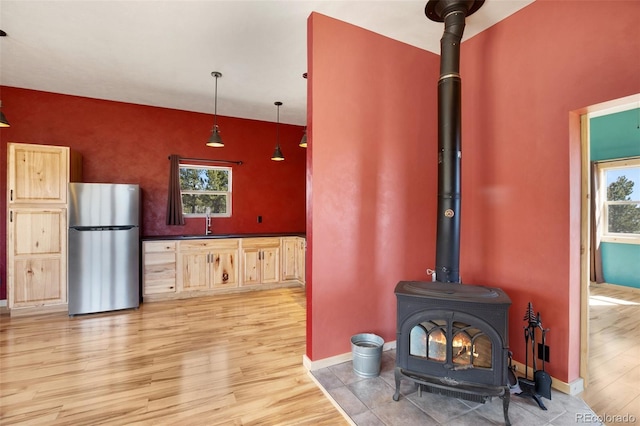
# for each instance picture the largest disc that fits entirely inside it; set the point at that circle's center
(37, 181)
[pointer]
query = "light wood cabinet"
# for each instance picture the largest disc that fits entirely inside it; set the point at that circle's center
(208, 264)
(293, 259)
(260, 261)
(38, 174)
(225, 268)
(198, 267)
(158, 267)
(302, 259)
(37, 181)
(37, 257)
(195, 271)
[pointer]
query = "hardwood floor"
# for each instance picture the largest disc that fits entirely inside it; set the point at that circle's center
(229, 360)
(614, 363)
(222, 360)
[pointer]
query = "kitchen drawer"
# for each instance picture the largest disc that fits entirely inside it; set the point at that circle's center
(260, 242)
(208, 244)
(158, 246)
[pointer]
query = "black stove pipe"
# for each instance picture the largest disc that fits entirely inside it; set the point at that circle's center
(453, 14)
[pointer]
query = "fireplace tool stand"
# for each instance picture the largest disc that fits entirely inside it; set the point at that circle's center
(540, 384)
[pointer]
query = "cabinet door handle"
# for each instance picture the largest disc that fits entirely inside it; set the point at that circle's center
(11, 216)
(11, 195)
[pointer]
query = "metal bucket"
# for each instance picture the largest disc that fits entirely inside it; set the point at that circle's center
(366, 349)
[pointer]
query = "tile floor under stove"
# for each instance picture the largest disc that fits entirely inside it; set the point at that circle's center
(369, 402)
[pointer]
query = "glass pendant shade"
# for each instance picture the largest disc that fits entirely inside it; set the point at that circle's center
(215, 140)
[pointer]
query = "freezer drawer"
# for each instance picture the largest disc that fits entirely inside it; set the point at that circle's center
(103, 269)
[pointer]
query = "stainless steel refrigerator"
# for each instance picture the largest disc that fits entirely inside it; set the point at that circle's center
(103, 247)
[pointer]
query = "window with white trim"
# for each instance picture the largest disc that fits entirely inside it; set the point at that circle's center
(205, 189)
(620, 186)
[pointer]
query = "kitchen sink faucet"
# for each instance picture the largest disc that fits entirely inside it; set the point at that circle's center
(207, 223)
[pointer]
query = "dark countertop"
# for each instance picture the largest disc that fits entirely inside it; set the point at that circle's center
(219, 236)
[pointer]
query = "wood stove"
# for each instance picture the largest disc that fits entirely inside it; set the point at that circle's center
(452, 340)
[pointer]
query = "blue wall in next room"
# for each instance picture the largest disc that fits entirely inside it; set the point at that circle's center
(617, 136)
(621, 263)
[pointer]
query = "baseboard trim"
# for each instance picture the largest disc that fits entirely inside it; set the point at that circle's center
(39, 310)
(325, 362)
(337, 359)
(616, 287)
(572, 388)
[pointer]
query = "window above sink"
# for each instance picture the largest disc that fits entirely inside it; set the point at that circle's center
(205, 189)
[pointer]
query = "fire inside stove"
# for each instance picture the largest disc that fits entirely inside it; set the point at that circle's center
(469, 345)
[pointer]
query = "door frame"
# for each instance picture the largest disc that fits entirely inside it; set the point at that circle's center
(579, 135)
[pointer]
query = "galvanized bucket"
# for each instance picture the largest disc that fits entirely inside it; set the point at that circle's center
(366, 349)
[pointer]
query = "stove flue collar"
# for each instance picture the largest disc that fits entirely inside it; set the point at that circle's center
(436, 10)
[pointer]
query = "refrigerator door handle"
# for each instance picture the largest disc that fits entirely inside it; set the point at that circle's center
(103, 228)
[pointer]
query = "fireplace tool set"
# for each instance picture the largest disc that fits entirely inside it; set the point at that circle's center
(539, 386)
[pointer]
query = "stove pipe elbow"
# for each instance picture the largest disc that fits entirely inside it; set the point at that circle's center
(450, 44)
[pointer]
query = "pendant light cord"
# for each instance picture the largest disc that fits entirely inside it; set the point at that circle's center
(277, 154)
(215, 105)
(278, 127)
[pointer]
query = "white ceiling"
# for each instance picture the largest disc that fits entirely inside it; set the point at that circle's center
(162, 53)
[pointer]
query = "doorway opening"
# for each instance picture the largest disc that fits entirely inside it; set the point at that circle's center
(606, 309)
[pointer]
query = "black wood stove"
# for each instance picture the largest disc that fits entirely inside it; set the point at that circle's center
(452, 338)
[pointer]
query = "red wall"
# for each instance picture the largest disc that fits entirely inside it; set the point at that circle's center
(372, 189)
(373, 165)
(523, 77)
(127, 143)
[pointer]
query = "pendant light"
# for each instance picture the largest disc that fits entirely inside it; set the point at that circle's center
(303, 141)
(3, 120)
(277, 153)
(215, 140)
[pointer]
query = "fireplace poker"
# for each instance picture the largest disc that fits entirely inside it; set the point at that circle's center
(526, 353)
